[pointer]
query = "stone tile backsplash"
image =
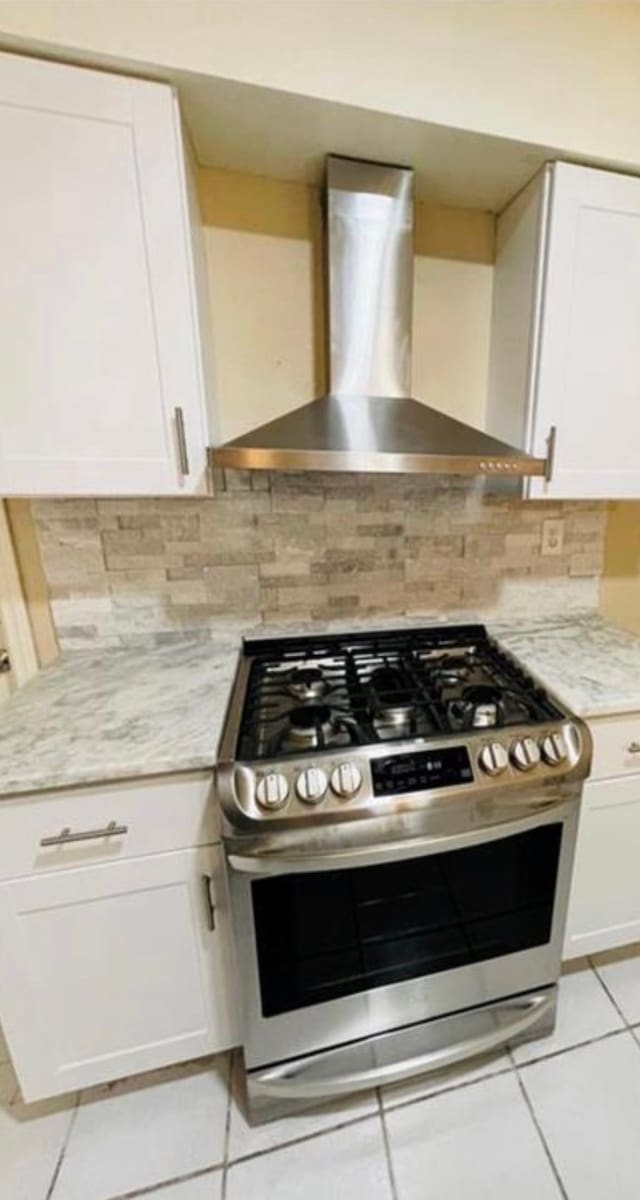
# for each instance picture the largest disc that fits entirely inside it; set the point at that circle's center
(281, 547)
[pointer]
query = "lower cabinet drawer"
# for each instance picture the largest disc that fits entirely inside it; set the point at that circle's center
(115, 821)
(616, 746)
(604, 905)
(115, 968)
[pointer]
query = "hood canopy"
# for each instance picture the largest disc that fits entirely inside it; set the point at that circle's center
(369, 421)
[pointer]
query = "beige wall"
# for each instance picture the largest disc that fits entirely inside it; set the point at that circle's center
(564, 74)
(264, 248)
(620, 586)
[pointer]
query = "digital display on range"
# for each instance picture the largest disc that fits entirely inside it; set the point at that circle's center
(419, 772)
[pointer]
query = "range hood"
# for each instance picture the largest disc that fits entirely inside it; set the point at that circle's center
(369, 421)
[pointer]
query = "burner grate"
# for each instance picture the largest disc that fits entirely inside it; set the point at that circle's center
(377, 687)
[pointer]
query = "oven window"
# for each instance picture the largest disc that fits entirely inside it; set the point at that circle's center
(335, 933)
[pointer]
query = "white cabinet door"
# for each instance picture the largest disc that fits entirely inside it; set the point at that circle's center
(604, 906)
(101, 363)
(113, 969)
(588, 371)
(565, 350)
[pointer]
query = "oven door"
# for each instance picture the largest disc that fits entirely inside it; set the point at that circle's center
(354, 943)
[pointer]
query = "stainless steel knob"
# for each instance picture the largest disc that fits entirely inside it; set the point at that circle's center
(272, 790)
(525, 754)
(493, 759)
(311, 785)
(553, 749)
(346, 780)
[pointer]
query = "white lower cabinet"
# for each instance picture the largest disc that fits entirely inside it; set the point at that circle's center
(113, 968)
(604, 908)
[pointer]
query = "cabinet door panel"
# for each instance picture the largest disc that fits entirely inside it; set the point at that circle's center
(113, 969)
(604, 906)
(97, 333)
(588, 377)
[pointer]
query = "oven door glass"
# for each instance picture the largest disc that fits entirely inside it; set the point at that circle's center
(335, 933)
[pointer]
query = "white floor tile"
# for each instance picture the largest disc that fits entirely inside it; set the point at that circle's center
(440, 1081)
(31, 1138)
(146, 1130)
(245, 1139)
(620, 970)
(587, 1102)
(203, 1187)
(346, 1164)
(479, 1141)
(584, 1012)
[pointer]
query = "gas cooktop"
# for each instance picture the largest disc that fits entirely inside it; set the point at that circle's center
(333, 727)
(310, 694)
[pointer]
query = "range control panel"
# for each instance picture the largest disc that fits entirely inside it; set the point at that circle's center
(447, 767)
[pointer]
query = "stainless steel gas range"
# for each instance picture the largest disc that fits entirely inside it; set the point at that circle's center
(399, 816)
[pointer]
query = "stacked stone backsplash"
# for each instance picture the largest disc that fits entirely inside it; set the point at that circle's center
(273, 548)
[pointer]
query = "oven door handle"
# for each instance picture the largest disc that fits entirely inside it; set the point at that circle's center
(319, 1075)
(275, 862)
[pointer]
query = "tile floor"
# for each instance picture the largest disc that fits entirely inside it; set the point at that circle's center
(557, 1118)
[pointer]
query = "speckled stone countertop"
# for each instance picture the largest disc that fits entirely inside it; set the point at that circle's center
(116, 714)
(590, 665)
(119, 714)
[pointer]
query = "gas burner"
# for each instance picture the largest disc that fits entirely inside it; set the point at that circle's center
(450, 670)
(312, 726)
(393, 702)
(479, 707)
(307, 683)
(313, 694)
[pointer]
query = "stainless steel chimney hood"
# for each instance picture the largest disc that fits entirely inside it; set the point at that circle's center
(369, 422)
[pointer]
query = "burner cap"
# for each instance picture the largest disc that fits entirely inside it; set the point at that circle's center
(307, 683)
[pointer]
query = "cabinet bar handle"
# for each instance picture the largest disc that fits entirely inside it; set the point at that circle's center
(210, 909)
(183, 454)
(84, 835)
(551, 454)
(633, 748)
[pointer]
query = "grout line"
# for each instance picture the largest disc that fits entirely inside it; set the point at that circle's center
(63, 1148)
(305, 1137)
(608, 992)
(453, 1087)
(152, 1189)
(558, 1178)
(387, 1147)
(600, 1037)
(227, 1125)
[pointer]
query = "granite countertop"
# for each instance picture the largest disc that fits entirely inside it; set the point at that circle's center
(119, 714)
(590, 665)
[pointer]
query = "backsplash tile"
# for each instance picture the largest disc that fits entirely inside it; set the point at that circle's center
(296, 546)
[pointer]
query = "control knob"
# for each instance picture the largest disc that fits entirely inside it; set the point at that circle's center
(554, 750)
(493, 759)
(525, 754)
(311, 785)
(346, 780)
(272, 790)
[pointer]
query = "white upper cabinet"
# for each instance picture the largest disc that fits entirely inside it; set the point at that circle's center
(102, 387)
(566, 331)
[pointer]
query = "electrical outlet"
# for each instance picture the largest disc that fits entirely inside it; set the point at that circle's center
(552, 537)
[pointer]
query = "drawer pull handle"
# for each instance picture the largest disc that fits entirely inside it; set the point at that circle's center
(633, 748)
(209, 905)
(84, 835)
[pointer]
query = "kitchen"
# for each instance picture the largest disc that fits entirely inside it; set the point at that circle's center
(135, 286)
